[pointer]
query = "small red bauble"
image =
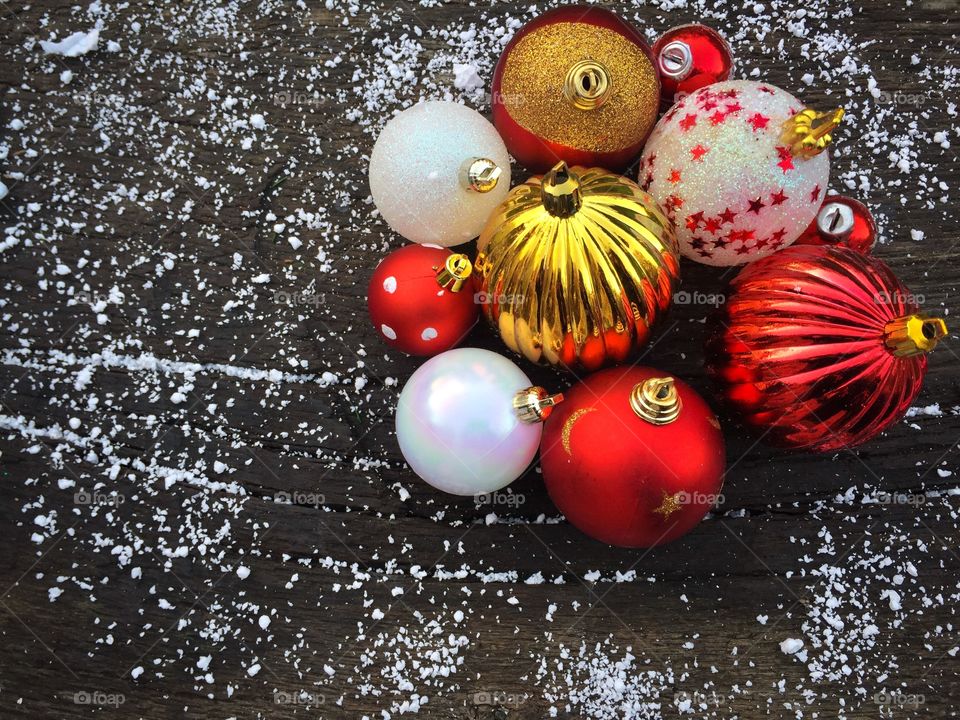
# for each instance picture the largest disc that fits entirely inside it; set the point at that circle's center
(820, 348)
(577, 84)
(842, 221)
(633, 457)
(421, 299)
(690, 57)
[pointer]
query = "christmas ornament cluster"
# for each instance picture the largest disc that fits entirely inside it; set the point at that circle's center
(818, 347)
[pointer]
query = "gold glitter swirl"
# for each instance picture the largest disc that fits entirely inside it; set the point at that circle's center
(536, 71)
(568, 426)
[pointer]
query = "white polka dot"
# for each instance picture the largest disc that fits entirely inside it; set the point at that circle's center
(428, 334)
(390, 284)
(388, 331)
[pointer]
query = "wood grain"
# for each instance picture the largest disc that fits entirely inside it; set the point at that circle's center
(305, 436)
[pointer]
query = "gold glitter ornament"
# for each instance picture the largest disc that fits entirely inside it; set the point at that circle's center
(576, 267)
(577, 84)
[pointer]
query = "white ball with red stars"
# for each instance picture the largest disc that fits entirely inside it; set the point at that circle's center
(421, 299)
(719, 166)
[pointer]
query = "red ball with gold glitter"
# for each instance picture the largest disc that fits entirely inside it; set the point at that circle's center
(421, 299)
(842, 221)
(820, 348)
(577, 84)
(690, 57)
(633, 457)
(740, 168)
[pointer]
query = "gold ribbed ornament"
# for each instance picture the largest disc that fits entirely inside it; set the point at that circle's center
(576, 266)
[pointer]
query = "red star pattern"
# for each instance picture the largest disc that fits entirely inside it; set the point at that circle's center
(718, 117)
(756, 206)
(674, 176)
(768, 90)
(693, 221)
(688, 122)
(758, 121)
(777, 238)
(778, 198)
(712, 225)
(731, 93)
(786, 159)
(734, 107)
(698, 152)
(815, 194)
(727, 216)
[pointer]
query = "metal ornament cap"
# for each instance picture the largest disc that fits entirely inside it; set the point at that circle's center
(560, 191)
(656, 400)
(835, 221)
(454, 272)
(808, 133)
(914, 334)
(534, 404)
(481, 175)
(675, 60)
(588, 85)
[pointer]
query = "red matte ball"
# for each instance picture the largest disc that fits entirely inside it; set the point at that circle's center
(842, 221)
(409, 307)
(690, 57)
(622, 479)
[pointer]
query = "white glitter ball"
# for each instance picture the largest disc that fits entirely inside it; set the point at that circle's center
(418, 173)
(716, 164)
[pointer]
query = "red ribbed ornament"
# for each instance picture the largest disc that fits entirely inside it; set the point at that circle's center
(820, 348)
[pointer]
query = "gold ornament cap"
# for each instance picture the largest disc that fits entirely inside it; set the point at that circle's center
(914, 334)
(560, 191)
(534, 404)
(656, 400)
(454, 272)
(481, 175)
(587, 85)
(808, 133)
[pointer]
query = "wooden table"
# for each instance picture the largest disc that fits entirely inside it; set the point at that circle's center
(198, 428)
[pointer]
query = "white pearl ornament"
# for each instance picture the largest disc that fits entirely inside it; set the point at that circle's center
(437, 171)
(468, 421)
